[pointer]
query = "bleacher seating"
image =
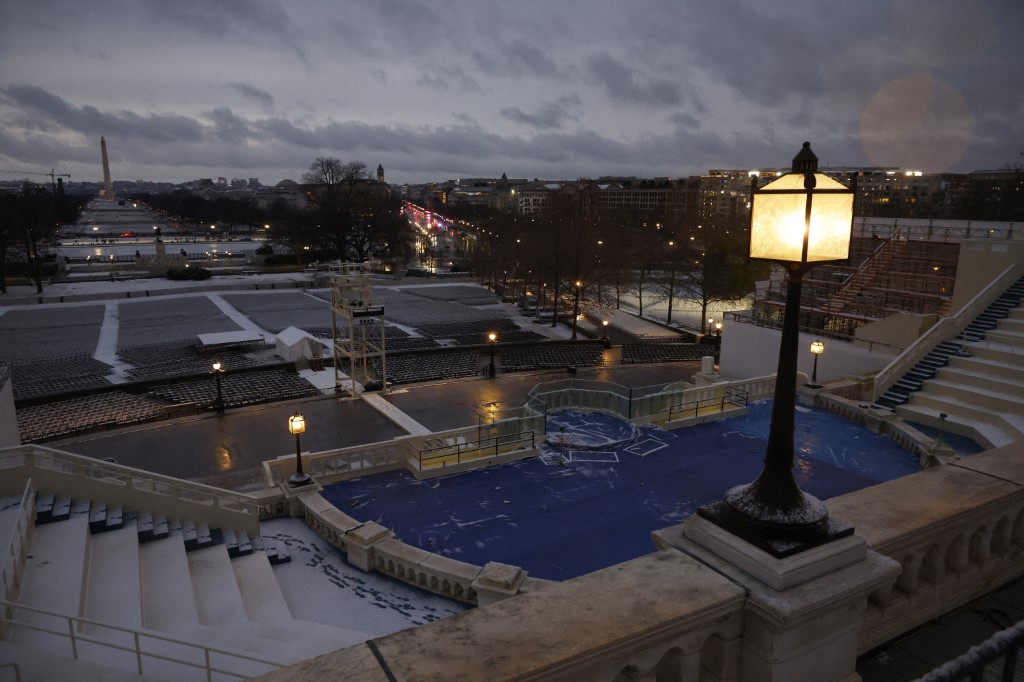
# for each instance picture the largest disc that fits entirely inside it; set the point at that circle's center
(665, 352)
(519, 358)
(69, 416)
(242, 388)
(161, 361)
(51, 376)
(417, 367)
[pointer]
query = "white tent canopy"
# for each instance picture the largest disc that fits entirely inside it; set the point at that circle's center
(294, 343)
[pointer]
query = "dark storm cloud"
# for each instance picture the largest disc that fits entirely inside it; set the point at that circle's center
(92, 121)
(227, 127)
(550, 115)
(622, 84)
(258, 95)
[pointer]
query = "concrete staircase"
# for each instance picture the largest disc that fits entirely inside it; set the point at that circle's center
(978, 391)
(170, 587)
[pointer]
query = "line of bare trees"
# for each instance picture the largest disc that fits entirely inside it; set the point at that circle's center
(574, 249)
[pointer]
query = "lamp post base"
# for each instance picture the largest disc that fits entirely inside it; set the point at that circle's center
(299, 480)
(778, 538)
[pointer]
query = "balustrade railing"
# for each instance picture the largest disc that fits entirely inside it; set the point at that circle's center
(151, 652)
(457, 452)
(87, 478)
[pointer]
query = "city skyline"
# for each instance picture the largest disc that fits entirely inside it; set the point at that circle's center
(436, 91)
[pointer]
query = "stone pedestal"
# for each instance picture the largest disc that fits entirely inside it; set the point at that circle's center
(360, 542)
(291, 496)
(497, 581)
(803, 613)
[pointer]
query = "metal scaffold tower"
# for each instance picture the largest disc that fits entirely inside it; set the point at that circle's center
(358, 330)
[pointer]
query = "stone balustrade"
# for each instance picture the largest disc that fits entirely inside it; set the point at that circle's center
(372, 547)
(957, 531)
(663, 616)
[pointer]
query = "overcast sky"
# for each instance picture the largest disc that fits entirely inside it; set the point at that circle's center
(441, 89)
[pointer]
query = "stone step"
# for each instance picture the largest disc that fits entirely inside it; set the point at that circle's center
(168, 599)
(114, 590)
(54, 578)
(983, 380)
(985, 434)
(217, 596)
(991, 367)
(995, 350)
(988, 397)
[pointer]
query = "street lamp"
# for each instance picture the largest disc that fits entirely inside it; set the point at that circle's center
(801, 219)
(576, 308)
(604, 324)
(218, 369)
(718, 328)
(297, 426)
(817, 348)
(491, 339)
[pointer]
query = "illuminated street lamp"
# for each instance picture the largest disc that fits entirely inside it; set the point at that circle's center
(576, 308)
(801, 219)
(817, 348)
(491, 339)
(604, 324)
(297, 426)
(718, 328)
(218, 369)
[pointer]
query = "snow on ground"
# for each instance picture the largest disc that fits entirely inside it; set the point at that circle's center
(321, 586)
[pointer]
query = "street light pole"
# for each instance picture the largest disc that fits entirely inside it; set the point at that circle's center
(800, 220)
(218, 369)
(576, 308)
(491, 338)
(817, 348)
(297, 426)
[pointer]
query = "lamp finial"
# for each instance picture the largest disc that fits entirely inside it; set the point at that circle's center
(805, 161)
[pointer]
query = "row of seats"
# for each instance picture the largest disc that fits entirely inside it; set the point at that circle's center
(539, 357)
(665, 352)
(85, 413)
(468, 328)
(80, 372)
(503, 337)
(408, 369)
(245, 388)
(177, 359)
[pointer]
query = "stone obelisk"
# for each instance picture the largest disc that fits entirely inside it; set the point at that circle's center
(108, 186)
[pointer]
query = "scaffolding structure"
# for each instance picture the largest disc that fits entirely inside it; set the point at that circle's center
(357, 330)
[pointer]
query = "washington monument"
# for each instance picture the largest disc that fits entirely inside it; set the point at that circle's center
(108, 186)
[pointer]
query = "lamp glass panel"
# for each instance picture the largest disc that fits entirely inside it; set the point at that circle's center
(777, 221)
(296, 424)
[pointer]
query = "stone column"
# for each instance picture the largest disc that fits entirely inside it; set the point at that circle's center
(803, 613)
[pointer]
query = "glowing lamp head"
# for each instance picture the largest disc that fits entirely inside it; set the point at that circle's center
(803, 216)
(492, 337)
(817, 347)
(296, 424)
(217, 366)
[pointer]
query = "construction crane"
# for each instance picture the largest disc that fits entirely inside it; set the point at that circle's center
(53, 175)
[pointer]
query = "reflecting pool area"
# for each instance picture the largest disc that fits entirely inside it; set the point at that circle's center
(601, 486)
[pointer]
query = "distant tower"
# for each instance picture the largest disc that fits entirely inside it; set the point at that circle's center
(380, 173)
(108, 186)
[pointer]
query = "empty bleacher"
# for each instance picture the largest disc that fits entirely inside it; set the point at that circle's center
(665, 352)
(164, 360)
(417, 367)
(518, 358)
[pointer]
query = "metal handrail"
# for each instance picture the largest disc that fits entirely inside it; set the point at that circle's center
(946, 327)
(732, 396)
(1005, 644)
(473, 446)
(74, 635)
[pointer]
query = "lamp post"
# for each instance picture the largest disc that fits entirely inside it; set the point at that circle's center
(604, 325)
(801, 219)
(576, 307)
(817, 348)
(297, 426)
(491, 339)
(718, 328)
(218, 369)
